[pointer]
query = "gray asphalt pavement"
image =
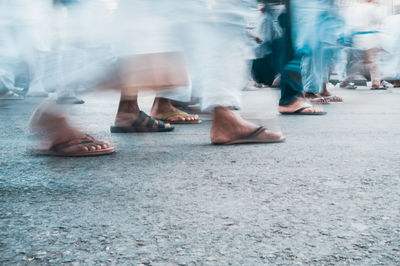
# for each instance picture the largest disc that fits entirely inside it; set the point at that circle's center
(328, 196)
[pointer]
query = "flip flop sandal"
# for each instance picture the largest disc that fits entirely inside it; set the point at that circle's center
(254, 137)
(334, 99)
(138, 126)
(300, 112)
(379, 89)
(59, 149)
(69, 100)
(166, 117)
(321, 100)
(349, 87)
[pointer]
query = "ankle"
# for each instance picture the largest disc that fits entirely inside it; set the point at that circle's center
(125, 119)
(161, 105)
(221, 111)
(162, 101)
(128, 106)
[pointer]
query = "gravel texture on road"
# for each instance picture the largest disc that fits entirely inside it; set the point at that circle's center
(328, 196)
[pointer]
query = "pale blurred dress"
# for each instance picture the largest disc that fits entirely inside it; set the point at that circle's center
(24, 36)
(366, 21)
(210, 34)
(390, 63)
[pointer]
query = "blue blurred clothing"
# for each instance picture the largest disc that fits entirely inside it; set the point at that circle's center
(290, 69)
(317, 27)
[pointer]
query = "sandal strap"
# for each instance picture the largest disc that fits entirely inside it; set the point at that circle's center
(151, 122)
(161, 124)
(177, 113)
(254, 133)
(73, 142)
(302, 109)
(141, 118)
(89, 138)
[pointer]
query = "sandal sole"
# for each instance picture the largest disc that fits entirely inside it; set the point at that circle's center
(115, 129)
(108, 151)
(251, 141)
(315, 113)
(192, 122)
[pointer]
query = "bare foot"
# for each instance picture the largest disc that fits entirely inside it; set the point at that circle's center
(53, 129)
(329, 96)
(299, 104)
(70, 141)
(162, 107)
(377, 86)
(310, 95)
(229, 126)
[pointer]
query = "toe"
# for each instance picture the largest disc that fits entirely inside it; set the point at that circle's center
(174, 118)
(308, 110)
(83, 147)
(92, 147)
(105, 146)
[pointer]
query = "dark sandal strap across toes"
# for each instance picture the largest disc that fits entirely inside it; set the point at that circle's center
(254, 137)
(139, 125)
(300, 112)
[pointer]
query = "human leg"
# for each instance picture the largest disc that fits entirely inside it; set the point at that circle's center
(223, 77)
(370, 59)
(130, 118)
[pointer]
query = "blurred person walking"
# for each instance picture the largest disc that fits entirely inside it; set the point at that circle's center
(390, 63)
(25, 38)
(365, 18)
(320, 30)
(218, 54)
(152, 63)
(296, 38)
(268, 35)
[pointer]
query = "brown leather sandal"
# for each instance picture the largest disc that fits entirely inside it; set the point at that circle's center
(59, 148)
